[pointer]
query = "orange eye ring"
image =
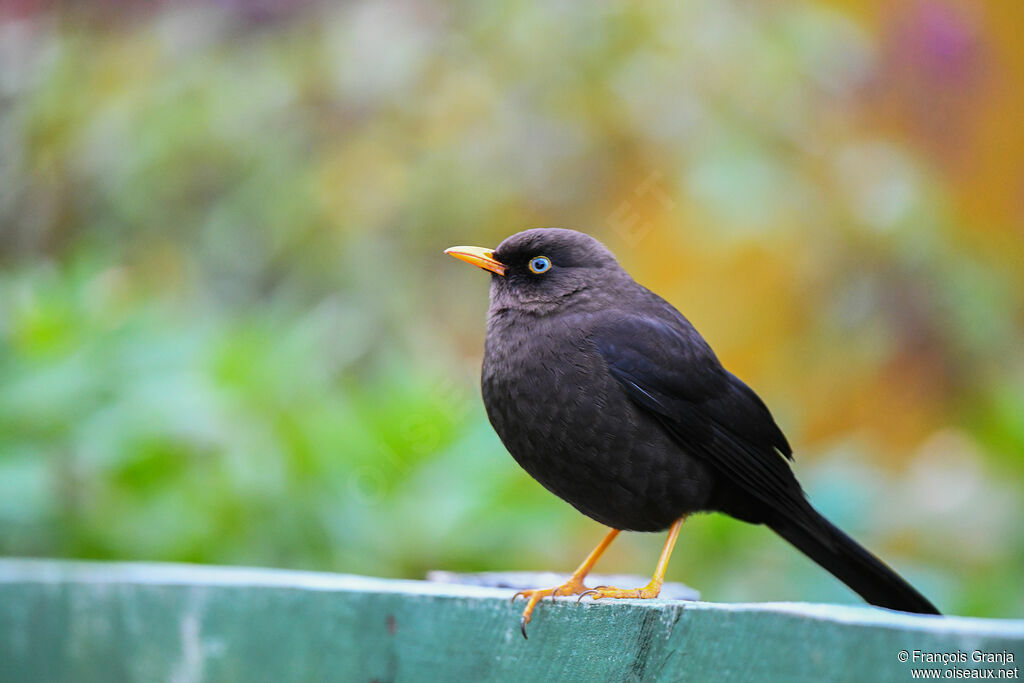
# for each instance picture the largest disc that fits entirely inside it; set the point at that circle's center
(539, 265)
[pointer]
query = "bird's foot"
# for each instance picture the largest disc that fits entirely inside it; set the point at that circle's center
(651, 590)
(573, 586)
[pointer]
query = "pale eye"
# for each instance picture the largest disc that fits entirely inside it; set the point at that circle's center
(540, 264)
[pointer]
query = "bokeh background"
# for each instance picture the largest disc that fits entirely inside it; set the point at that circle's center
(228, 333)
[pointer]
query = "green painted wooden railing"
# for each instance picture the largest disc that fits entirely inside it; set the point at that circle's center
(75, 621)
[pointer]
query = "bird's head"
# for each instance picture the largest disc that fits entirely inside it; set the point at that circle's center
(544, 267)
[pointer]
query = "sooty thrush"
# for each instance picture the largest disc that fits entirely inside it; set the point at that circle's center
(608, 396)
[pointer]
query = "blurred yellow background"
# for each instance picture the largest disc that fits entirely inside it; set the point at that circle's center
(228, 333)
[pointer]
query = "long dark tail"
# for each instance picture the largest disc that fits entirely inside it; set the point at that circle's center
(850, 562)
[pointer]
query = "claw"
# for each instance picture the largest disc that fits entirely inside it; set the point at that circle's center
(575, 586)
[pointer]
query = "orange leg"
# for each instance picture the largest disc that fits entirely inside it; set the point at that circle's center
(652, 589)
(573, 586)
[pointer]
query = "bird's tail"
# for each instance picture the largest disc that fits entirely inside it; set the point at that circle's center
(850, 562)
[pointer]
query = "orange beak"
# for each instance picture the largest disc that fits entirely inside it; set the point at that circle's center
(479, 257)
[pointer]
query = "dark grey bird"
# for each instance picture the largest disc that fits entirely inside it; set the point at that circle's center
(608, 396)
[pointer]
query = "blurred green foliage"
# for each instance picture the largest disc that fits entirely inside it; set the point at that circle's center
(228, 334)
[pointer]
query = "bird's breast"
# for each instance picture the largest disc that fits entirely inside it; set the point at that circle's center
(568, 423)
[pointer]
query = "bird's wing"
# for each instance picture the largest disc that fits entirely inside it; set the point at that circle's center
(670, 371)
